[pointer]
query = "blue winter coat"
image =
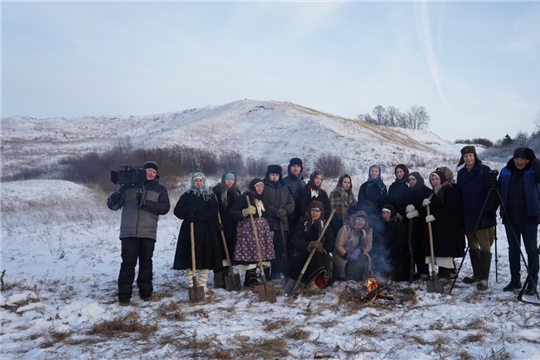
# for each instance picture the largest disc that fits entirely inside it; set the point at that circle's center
(531, 186)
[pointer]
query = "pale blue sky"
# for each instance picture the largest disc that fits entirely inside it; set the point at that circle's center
(474, 66)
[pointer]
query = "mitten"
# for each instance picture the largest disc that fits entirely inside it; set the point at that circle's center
(430, 218)
(412, 214)
(314, 245)
(281, 213)
(250, 210)
(354, 255)
(346, 255)
(192, 218)
(115, 198)
(426, 202)
(409, 209)
(400, 218)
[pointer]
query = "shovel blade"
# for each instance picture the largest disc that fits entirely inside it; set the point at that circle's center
(434, 286)
(232, 283)
(292, 288)
(267, 293)
(196, 293)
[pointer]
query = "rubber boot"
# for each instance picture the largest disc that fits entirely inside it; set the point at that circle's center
(484, 267)
(475, 262)
(219, 282)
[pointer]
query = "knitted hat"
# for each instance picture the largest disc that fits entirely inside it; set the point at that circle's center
(469, 149)
(295, 161)
(150, 165)
(316, 204)
(522, 152)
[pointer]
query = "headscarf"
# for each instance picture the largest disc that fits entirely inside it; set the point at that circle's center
(393, 213)
(200, 191)
(311, 184)
(224, 189)
(405, 175)
(437, 189)
(377, 182)
(257, 199)
(340, 184)
(448, 174)
(308, 221)
(419, 181)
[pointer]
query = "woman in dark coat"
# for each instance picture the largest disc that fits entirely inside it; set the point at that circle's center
(397, 192)
(226, 193)
(199, 206)
(305, 238)
(395, 241)
(448, 236)
(371, 197)
(416, 215)
(245, 252)
(313, 191)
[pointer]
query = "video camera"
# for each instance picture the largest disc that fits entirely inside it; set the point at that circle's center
(493, 175)
(129, 175)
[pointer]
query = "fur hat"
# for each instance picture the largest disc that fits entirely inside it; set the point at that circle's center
(469, 149)
(150, 165)
(273, 169)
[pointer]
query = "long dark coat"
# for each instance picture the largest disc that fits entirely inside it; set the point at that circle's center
(397, 196)
(207, 249)
(395, 241)
(320, 261)
(448, 236)
(229, 224)
(372, 202)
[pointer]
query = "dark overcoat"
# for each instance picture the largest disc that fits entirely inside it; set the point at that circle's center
(207, 249)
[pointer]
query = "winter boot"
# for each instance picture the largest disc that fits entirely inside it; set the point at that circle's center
(475, 261)
(513, 285)
(443, 274)
(219, 282)
(203, 279)
(484, 267)
(251, 279)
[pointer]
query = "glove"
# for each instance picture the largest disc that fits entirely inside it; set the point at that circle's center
(426, 202)
(400, 218)
(412, 214)
(355, 254)
(192, 218)
(219, 227)
(409, 208)
(115, 198)
(346, 255)
(281, 213)
(430, 218)
(250, 210)
(314, 245)
(530, 154)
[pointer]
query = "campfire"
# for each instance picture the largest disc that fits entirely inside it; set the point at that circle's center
(372, 290)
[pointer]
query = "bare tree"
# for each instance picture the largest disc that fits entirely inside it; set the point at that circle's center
(536, 121)
(521, 139)
(393, 116)
(380, 115)
(418, 117)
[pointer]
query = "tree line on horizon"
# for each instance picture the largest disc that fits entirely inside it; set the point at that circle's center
(416, 118)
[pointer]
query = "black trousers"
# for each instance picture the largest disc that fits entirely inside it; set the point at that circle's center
(134, 249)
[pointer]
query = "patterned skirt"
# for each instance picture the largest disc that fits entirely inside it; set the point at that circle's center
(246, 247)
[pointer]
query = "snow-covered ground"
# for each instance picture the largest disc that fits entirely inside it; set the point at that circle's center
(60, 256)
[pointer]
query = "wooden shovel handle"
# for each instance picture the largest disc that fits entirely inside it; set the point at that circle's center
(225, 244)
(432, 252)
(259, 253)
(192, 231)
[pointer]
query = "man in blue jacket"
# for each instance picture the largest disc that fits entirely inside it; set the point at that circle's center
(520, 192)
(474, 183)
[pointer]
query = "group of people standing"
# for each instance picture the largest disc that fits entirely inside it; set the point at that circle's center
(376, 233)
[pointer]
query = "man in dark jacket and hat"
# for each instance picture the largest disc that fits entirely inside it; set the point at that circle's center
(281, 205)
(474, 183)
(141, 206)
(520, 192)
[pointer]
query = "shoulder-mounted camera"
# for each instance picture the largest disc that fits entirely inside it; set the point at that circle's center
(129, 175)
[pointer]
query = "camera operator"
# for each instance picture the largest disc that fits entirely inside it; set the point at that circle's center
(474, 183)
(142, 204)
(520, 192)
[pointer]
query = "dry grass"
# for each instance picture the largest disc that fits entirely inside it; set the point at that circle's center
(171, 311)
(123, 326)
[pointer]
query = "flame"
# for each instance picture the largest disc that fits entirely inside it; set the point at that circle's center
(372, 284)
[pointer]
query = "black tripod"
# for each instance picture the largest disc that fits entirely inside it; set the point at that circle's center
(494, 189)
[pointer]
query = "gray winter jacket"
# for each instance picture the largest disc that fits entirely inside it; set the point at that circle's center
(141, 209)
(277, 196)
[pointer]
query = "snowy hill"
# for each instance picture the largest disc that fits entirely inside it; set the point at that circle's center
(275, 131)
